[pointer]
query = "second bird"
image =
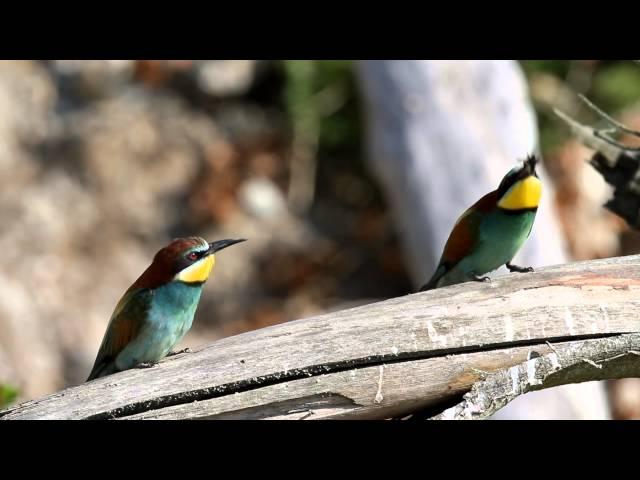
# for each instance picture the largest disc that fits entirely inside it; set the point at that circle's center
(157, 310)
(490, 233)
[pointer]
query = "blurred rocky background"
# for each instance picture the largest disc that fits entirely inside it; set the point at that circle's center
(104, 162)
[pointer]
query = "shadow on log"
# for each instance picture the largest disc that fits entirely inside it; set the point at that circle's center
(393, 358)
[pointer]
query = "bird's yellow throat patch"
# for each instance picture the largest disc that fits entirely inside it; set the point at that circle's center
(522, 195)
(198, 272)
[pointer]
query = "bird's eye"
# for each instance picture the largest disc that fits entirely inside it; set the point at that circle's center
(192, 256)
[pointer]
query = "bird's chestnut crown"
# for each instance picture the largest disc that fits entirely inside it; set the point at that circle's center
(190, 259)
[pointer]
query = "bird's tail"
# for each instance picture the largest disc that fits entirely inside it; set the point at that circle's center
(102, 369)
(426, 286)
(433, 282)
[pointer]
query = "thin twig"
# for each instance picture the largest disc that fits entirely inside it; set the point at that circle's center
(592, 363)
(608, 117)
(611, 141)
(553, 349)
(587, 136)
(630, 352)
(618, 127)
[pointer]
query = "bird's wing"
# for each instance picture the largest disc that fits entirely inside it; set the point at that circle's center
(462, 240)
(124, 326)
(464, 237)
(465, 234)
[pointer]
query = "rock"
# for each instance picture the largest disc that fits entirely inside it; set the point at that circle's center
(92, 79)
(225, 78)
(261, 198)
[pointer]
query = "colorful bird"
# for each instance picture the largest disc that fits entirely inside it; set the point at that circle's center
(157, 310)
(490, 233)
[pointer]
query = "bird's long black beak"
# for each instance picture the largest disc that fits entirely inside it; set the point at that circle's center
(221, 244)
(530, 165)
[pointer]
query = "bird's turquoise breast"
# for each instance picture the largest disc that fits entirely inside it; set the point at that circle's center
(169, 318)
(501, 236)
(174, 306)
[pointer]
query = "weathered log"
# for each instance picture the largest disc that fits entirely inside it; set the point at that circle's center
(382, 360)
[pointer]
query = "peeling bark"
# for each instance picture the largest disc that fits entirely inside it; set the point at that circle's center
(573, 362)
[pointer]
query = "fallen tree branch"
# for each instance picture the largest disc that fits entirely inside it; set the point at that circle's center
(573, 362)
(383, 360)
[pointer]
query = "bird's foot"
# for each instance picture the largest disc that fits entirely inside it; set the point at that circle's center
(184, 350)
(146, 364)
(480, 279)
(516, 268)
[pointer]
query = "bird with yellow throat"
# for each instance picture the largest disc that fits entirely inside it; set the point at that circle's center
(157, 311)
(490, 233)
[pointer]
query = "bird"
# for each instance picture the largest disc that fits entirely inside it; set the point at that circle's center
(157, 310)
(490, 233)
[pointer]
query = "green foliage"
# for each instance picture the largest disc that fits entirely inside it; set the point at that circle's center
(616, 86)
(559, 68)
(299, 95)
(8, 395)
(320, 97)
(340, 127)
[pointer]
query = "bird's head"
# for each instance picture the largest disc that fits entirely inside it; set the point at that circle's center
(188, 260)
(521, 188)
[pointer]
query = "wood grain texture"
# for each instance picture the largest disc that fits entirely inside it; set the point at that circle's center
(432, 346)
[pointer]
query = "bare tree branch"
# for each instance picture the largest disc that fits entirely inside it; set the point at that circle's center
(617, 125)
(572, 362)
(619, 166)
